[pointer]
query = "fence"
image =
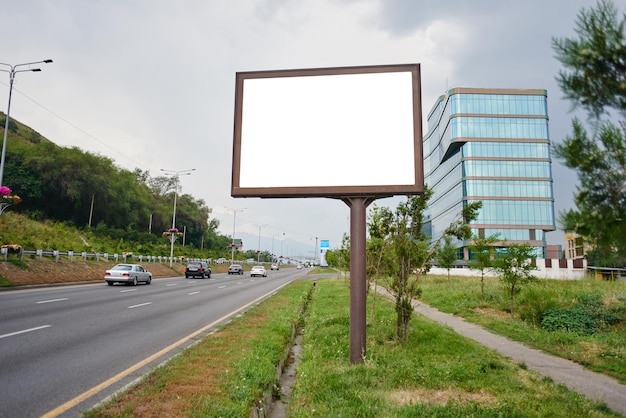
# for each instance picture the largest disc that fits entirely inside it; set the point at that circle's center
(84, 256)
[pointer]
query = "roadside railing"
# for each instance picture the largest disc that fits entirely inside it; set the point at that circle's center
(85, 256)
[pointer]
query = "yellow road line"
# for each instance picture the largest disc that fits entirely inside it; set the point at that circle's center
(94, 390)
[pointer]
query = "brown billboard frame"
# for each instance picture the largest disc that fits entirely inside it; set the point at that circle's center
(352, 163)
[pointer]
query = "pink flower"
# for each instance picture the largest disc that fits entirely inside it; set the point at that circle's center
(4, 191)
(173, 229)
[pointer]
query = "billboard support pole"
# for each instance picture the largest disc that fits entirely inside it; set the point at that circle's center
(358, 277)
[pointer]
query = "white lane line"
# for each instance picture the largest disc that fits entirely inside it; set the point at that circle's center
(140, 305)
(52, 300)
(24, 331)
(193, 293)
(171, 284)
(221, 287)
(129, 290)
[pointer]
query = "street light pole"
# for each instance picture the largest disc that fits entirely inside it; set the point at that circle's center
(176, 175)
(232, 245)
(12, 71)
(258, 257)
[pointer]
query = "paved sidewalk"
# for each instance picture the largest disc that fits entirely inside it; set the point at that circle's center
(590, 384)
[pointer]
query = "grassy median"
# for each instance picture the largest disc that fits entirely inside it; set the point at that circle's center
(435, 373)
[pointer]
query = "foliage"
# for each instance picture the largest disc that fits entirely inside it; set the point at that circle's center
(481, 257)
(594, 79)
(76, 188)
(401, 251)
(587, 316)
(446, 255)
(514, 268)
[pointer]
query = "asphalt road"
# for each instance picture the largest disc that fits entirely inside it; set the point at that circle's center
(64, 349)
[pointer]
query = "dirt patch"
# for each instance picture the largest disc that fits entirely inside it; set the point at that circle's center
(496, 313)
(439, 397)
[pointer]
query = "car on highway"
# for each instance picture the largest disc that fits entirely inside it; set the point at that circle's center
(299, 266)
(197, 269)
(127, 274)
(235, 269)
(258, 271)
(274, 267)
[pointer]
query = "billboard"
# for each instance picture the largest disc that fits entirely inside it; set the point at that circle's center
(328, 132)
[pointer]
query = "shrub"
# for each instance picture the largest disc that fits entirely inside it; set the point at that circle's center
(587, 316)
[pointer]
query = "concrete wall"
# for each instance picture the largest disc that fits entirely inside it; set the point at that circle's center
(542, 272)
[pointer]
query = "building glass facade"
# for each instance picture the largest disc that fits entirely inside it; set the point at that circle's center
(491, 145)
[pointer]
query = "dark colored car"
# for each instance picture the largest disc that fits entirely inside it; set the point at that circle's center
(198, 269)
(235, 269)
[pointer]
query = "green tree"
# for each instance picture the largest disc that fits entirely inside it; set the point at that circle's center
(594, 79)
(400, 233)
(515, 269)
(446, 255)
(481, 257)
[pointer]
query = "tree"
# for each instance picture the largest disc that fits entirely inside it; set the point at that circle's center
(594, 79)
(400, 234)
(515, 269)
(446, 255)
(482, 250)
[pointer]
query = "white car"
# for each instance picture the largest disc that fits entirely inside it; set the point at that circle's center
(127, 274)
(274, 267)
(258, 271)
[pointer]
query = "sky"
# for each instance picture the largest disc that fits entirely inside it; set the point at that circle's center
(151, 83)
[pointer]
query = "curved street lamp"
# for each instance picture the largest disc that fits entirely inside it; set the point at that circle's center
(176, 175)
(12, 71)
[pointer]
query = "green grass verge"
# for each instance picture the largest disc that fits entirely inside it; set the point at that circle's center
(604, 351)
(436, 373)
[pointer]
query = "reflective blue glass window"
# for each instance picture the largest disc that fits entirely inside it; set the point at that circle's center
(498, 104)
(508, 188)
(506, 149)
(516, 212)
(484, 127)
(482, 168)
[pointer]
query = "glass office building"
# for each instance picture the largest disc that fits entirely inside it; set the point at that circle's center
(491, 145)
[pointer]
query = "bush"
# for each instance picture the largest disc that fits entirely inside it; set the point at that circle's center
(535, 303)
(587, 316)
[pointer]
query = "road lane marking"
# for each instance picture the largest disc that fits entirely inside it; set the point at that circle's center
(171, 284)
(222, 286)
(94, 390)
(140, 305)
(193, 293)
(24, 331)
(129, 290)
(52, 300)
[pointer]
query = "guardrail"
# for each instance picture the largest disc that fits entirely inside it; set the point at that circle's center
(85, 256)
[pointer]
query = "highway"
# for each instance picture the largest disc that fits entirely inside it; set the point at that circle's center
(64, 349)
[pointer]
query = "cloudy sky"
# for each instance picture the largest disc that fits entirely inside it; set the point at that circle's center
(151, 83)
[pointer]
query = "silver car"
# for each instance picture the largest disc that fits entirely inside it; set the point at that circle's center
(127, 274)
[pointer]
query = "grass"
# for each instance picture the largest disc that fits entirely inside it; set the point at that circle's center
(435, 373)
(604, 351)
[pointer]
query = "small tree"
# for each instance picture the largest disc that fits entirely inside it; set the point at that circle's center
(403, 251)
(482, 250)
(446, 255)
(515, 269)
